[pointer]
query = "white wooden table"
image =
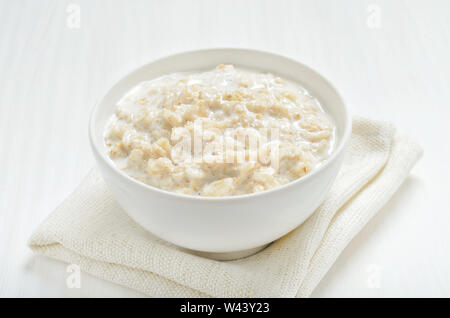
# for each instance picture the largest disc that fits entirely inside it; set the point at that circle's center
(389, 59)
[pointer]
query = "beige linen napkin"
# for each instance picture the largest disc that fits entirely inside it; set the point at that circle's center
(91, 230)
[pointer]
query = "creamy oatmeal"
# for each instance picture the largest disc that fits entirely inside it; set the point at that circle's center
(217, 133)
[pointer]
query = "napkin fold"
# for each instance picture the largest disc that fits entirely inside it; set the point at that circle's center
(91, 230)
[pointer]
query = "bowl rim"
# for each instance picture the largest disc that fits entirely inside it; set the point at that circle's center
(106, 160)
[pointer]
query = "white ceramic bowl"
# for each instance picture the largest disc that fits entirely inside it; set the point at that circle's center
(222, 224)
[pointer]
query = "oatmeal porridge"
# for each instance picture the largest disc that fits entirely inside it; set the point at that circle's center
(223, 132)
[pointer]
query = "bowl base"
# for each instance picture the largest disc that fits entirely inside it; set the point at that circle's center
(227, 256)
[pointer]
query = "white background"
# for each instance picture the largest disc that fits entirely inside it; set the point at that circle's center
(51, 75)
